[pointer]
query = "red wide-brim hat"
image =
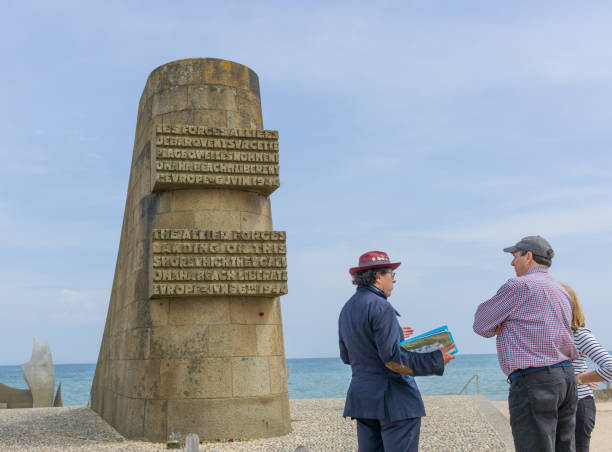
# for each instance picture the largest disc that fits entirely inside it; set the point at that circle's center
(373, 259)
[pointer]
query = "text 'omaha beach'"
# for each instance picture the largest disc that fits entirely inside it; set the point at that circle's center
(190, 156)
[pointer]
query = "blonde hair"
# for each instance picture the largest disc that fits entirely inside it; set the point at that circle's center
(577, 314)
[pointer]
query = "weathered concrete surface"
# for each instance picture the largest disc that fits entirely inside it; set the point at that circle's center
(496, 420)
(15, 398)
(208, 356)
(58, 402)
(39, 375)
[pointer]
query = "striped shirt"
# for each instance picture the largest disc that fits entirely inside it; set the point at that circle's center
(588, 347)
(535, 314)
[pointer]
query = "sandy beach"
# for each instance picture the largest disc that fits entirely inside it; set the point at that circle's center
(454, 423)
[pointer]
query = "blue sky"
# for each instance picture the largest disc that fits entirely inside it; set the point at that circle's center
(439, 132)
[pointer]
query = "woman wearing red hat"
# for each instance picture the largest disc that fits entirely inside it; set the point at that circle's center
(382, 397)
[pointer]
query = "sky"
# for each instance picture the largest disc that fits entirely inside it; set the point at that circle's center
(439, 132)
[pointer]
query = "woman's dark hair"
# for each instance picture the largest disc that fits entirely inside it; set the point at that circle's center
(547, 261)
(368, 277)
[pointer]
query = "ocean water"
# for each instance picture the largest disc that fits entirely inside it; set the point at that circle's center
(75, 378)
(329, 377)
(308, 378)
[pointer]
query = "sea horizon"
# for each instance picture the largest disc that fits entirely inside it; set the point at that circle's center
(308, 378)
(310, 357)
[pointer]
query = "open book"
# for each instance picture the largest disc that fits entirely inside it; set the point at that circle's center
(429, 341)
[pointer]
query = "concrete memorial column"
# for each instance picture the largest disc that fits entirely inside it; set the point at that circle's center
(193, 341)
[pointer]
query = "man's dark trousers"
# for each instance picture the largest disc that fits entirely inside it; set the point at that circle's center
(543, 410)
(380, 435)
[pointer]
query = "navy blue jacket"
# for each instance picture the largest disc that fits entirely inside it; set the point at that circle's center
(369, 338)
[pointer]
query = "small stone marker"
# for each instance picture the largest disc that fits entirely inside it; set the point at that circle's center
(174, 441)
(57, 402)
(3, 405)
(192, 443)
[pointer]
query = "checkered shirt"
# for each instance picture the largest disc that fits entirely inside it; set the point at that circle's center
(535, 314)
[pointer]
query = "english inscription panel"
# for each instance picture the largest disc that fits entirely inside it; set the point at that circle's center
(188, 156)
(193, 262)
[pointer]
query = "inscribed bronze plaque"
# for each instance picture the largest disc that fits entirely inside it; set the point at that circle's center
(193, 262)
(188, 156)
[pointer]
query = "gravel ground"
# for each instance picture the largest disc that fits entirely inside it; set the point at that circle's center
(454, 423)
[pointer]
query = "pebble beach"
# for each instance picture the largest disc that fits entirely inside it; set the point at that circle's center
(453, 423)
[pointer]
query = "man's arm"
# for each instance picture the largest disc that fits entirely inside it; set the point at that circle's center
(344, 353)
(387, 335)
(493, 312)
(401, 369)
(407, 330)
(344, 356)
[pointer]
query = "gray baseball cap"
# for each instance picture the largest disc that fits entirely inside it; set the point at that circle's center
(534, 243)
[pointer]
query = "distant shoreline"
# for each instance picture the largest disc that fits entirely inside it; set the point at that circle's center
(288, 359)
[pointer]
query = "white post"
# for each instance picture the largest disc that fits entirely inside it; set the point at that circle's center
(192, 443)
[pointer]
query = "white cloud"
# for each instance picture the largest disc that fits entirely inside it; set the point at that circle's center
(30, 169)
(554, 223)
(442, 96)
(78, 307)
(369, 47)
(569, 195)
(33, 300)
(87, 138)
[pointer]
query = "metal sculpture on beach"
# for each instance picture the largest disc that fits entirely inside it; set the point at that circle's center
(40, 377)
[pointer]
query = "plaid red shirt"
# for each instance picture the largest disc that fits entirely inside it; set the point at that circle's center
(535, 313)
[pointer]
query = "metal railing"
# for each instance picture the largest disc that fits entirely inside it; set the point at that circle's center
(469, 381)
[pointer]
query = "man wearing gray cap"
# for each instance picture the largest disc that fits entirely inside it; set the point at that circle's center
(532, 315)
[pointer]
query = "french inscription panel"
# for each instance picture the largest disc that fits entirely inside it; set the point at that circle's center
(188, 156)
(195, 262)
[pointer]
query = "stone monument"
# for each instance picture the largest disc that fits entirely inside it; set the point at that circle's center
(193, 341)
